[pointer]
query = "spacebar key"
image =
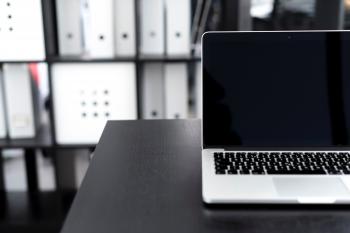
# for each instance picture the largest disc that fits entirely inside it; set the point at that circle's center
(297, 172)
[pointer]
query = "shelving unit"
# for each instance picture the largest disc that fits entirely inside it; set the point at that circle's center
(45, 140)
(43, 205)
(138, 60)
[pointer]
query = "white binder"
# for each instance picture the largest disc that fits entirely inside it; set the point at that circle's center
(21, 35)
(101, 41)
(198, 89)
(152, 27)
(86, 95)
(86, 26)
(176, 90)
(178, 27)
(3, 130)
(69, 27)
(19, 101)
(124, 28)
(153, 91)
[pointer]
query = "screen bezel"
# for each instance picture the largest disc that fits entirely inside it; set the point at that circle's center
(243, 36)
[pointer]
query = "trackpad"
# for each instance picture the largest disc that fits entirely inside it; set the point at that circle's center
(310, 187)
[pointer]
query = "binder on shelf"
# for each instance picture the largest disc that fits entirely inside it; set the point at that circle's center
(125, 28)
(85, 96)
(21, 101)
(198, 89)
(101, 33)
(22, 34)
(86, 26)
(153, 91)
(178, 27)
(152, 27)
(70, 41)
(176, 90)
(3, 130)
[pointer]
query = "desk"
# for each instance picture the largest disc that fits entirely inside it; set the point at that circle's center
(146, 177)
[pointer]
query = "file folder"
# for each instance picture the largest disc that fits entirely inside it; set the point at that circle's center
(20, 100)
(178, 27)
(69, 27)
(125, 28)
(3, 131)
(86, 26)
(153, 91)
(101, 29)
(176, 90)
(198, 89)
(86, 96)
(152, 27)
(21, 35)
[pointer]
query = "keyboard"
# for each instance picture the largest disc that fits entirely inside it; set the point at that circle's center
(282, 163)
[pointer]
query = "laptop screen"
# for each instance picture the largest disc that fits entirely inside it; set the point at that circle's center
(275, 89)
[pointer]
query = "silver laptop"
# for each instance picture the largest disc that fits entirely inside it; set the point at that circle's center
(276, 117)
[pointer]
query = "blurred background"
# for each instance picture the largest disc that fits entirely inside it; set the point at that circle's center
(69, 66)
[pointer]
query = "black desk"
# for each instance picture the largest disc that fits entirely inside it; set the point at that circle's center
(146, 177)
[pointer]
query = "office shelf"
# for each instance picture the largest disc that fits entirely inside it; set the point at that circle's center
(45, 139)
(88, 60)
(75, 146)
(42, 140)
(121, 59)
(59, 59)
(24, 61)
(168, 59)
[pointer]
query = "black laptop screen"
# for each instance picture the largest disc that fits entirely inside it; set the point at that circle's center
(273, 89)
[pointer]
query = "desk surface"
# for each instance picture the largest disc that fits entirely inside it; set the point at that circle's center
(146, 177)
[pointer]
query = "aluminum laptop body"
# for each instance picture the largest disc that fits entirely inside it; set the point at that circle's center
(276, 117)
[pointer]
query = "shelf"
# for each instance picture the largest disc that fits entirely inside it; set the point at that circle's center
(107, 60)
(75, 146)
(20, 62)
(126, 59)
(43, 139)
(168, 59)
(88, 60)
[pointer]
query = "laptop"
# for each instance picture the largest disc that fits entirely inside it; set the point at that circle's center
(276, 117)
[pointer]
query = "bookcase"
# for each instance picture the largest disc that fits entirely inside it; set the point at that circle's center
(45, 139)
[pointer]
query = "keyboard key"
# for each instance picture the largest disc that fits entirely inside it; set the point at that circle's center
(333, 172)
(258, 172)
(232, 172)
(220, 172)
(244, 172)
